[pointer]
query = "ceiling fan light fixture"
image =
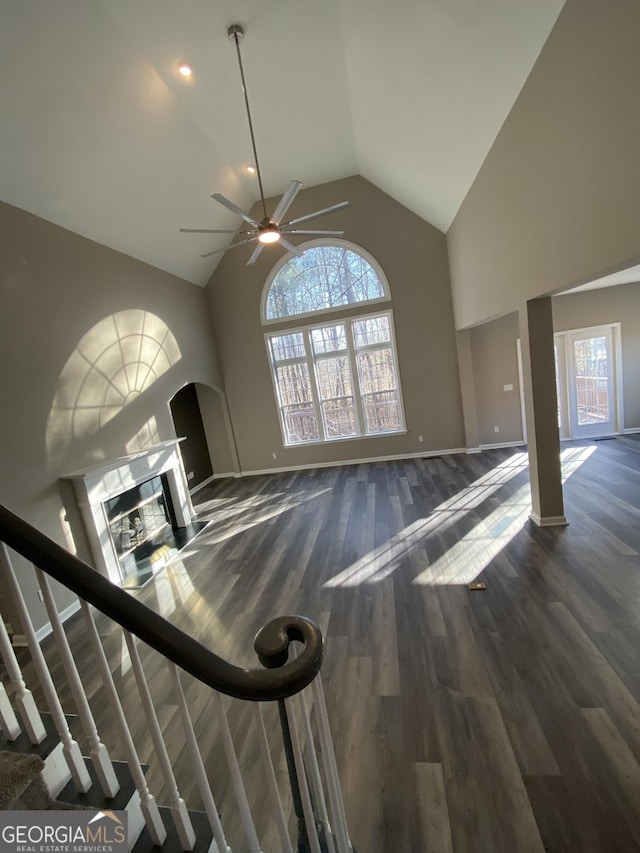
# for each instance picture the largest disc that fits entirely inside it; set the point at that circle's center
(269, 234)
(185, 69)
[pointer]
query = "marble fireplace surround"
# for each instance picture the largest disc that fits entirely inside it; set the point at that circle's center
(105, 480)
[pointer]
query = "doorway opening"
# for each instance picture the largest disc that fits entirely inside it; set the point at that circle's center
(589, 381)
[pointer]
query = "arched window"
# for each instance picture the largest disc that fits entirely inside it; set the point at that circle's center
(324, 277)
(334, 378)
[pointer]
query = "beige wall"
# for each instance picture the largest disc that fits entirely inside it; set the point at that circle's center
(557, 199)
(493, 348)
(219, 437)
(413, 255)
(67, 306)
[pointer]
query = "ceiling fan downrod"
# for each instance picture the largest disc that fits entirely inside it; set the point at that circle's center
(236, 35)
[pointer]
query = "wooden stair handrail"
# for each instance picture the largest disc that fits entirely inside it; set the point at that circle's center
(281, 677)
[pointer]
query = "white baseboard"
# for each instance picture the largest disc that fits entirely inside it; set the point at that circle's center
(334, 464)
(226, 475)
(630, 430)
(500, 444)
(201, 485)
(65, 614)
(548, 520)
(474, 449)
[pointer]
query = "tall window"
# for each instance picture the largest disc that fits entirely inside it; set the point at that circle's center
(337, 378)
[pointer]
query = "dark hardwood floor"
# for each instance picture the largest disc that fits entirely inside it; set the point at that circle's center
(505, 720)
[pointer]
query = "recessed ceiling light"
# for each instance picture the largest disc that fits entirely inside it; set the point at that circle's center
(250, 169)
(185, 69)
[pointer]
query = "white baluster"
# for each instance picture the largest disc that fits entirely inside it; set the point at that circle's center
(314, 770)
(29, 714)
(307, 807)
(149, 807)
(219, 844)
(70, 748)
(8, 720)
(177, 805)
(99, 753)
(271, 781)
(236, 778)
(330, 768)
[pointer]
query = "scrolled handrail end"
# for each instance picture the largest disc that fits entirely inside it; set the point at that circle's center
(272, 642)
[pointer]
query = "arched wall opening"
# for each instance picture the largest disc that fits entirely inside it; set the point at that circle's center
(200, 416)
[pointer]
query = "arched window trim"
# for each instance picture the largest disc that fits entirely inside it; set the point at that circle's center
(310, 244)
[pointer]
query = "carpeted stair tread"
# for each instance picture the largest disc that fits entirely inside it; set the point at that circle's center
(21, 785)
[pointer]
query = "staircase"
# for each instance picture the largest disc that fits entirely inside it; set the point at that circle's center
(261, 774)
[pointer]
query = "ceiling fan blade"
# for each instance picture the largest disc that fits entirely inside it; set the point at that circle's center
(232, 246)
(316, 233)
(256, 254)
(323, 212)
(234, 207)
(285, 202)
(213, 231)
(287, 245)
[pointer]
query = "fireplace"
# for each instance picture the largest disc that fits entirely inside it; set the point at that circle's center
(136, 511)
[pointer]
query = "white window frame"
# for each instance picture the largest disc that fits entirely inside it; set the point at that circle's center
(352, 352)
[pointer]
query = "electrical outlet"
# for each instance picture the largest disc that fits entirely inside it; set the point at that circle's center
(275, 455)
(190, 475)
(420, 438)
(496, 429)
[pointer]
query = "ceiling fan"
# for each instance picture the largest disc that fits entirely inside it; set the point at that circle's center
(270, 229)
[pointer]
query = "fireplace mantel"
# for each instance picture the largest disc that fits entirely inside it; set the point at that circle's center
(105, 480)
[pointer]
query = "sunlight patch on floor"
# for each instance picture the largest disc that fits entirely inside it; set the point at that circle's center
(381, 562)
(467, 558)
(462, 563)
(223, 526)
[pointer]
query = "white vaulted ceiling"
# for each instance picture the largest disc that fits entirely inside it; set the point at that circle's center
(102, 136)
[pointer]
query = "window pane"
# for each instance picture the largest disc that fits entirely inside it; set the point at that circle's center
(322, 277)
(293, 384)
(339, 417)
(592, 380)
(376, 370)
(300, 423)
(334, 377)
(373, 331)
(335, 387)
(381, 411)
(328, 339)
(287, 346)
